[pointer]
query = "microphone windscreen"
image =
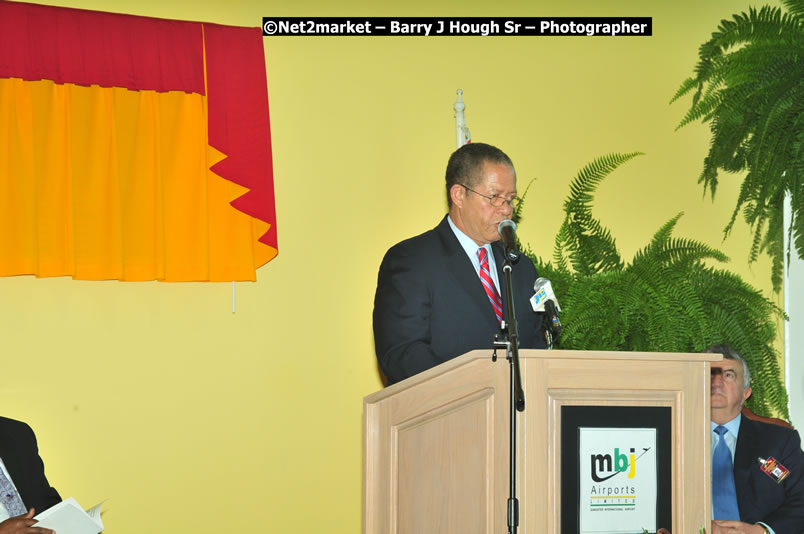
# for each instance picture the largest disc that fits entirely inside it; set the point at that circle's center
(506, 223)
(543, 292)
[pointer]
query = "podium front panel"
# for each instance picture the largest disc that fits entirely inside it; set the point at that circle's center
(436, 444)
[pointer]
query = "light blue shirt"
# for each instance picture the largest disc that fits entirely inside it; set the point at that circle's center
(470, 247)
(730, 437)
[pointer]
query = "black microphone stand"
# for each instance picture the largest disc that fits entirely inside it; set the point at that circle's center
(552, 332)
(509, 340)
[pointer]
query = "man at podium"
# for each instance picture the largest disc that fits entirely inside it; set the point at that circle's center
(441, 294)
(757, 468)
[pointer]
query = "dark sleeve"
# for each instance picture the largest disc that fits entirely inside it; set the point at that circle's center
(34, 487)
(789, 517)
(402, 308)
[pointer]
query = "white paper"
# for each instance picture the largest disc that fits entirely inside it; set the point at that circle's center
(68, 517)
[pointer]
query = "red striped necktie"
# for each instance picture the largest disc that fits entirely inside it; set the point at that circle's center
(488, 283)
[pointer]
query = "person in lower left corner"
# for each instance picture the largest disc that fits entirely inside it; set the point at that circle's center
(757, 479)
(24, 489)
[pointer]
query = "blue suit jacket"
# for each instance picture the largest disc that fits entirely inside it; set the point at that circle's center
(430, 305)
(759, 497)
(20, 455)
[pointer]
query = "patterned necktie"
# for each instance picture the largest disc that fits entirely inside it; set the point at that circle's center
(9, 497)
(724, 495)
(488, 283)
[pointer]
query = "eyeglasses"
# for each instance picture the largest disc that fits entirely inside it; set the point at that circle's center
(498, 200)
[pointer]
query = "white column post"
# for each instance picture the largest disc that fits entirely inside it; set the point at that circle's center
(794, 328)
(462, 132)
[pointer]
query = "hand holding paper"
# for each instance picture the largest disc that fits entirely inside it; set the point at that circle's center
(68, 517)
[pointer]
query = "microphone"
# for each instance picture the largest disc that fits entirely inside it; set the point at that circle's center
(545, 300)
(507, 231)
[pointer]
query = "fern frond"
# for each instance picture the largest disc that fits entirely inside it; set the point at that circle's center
(749, 88)
(686, 86)
(517, 216)
(794, 7)
(587, 245)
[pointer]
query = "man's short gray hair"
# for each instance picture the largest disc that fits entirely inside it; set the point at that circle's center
(731, 354)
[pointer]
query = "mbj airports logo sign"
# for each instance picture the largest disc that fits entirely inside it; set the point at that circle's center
(602, 463)
(617, 479)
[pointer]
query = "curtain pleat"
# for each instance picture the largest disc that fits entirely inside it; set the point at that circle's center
(106, 183)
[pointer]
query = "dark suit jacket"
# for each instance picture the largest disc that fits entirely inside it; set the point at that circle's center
(430, 304)
(20, 455)
(759, 497)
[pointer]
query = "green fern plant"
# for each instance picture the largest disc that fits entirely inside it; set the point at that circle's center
(666, 299)
(749, 87)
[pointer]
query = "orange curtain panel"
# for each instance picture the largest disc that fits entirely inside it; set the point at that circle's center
(132, 148)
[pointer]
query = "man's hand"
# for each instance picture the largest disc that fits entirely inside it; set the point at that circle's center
(22, 525)
(736, 527)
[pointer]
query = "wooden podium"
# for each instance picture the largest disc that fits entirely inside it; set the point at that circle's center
(435, 457)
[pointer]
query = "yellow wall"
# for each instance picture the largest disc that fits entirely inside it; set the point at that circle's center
(189, 418)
